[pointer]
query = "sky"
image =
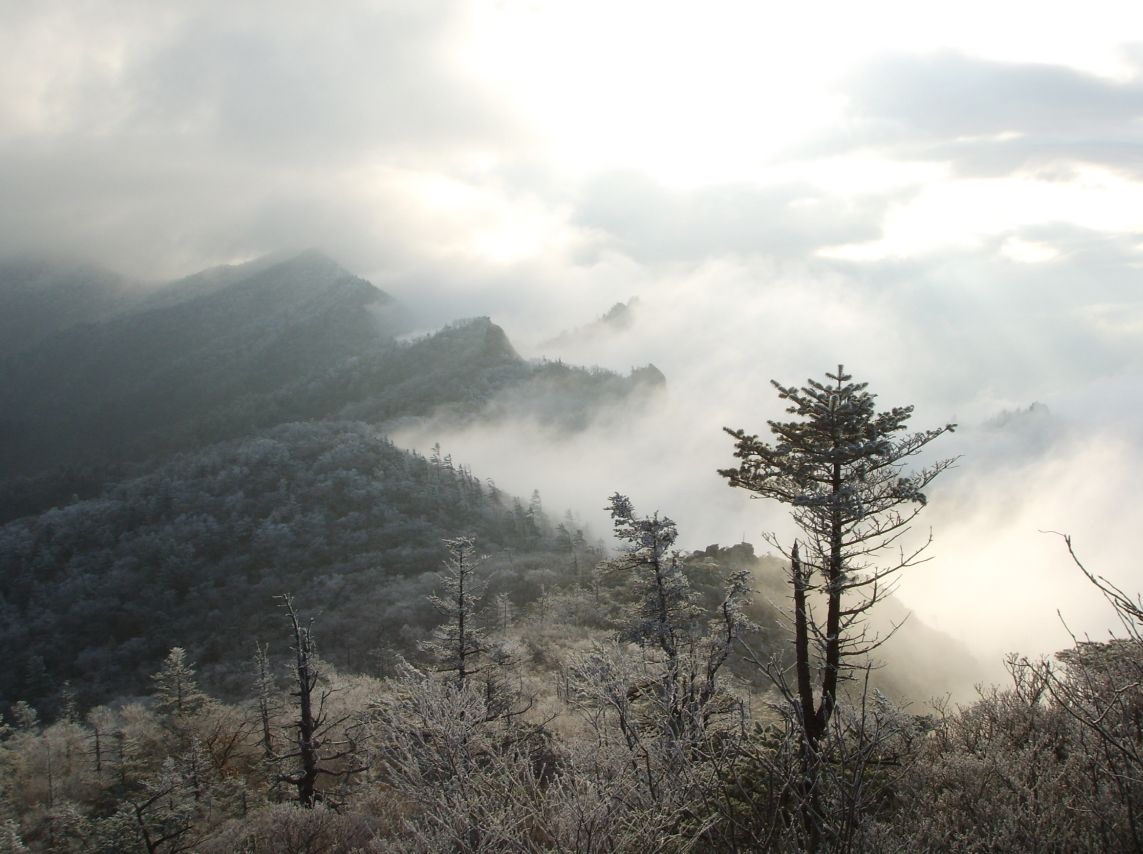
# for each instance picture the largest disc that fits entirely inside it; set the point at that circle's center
(948, 200)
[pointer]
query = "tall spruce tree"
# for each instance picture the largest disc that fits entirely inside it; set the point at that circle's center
(841, 469)
(458, 644)
(177, 694)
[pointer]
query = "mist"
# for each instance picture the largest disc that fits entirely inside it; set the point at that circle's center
(1041, 448)
(951, 209)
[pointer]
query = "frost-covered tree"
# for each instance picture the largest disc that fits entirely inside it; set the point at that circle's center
(320, 745)
(840, 466)
(177, 694)
(265, 698)
(665, 617)
(458, 644)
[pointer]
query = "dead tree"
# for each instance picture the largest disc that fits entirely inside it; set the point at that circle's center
(317, 750)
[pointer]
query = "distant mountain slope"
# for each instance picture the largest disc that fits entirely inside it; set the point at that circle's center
(95, 389)
(39, 298)
(465, 371)
(617, 320)
(194, 553)
(256, 347)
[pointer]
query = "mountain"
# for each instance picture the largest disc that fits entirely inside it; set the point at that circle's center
(172, 461)
(40, 297)
(616, 320)
(237, 350)
(96, 390)
(194, 553)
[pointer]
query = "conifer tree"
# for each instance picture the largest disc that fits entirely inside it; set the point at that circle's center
(177, 694)
(841, 469)
(666, 616)
(458, 644)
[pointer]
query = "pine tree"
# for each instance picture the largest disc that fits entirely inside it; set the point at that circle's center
(458, 644)
(665, 610)
(840, 468)
(177, 694)
(666, 617)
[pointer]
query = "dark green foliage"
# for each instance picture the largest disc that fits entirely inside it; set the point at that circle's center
(194, 553)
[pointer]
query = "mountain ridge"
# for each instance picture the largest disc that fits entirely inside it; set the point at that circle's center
(258, 345)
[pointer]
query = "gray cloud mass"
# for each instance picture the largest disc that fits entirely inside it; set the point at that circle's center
(652, 223)
(238, 131)
(991, 118)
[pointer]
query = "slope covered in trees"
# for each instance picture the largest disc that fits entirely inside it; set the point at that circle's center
(194, 552)
(97, 389)
(39, 298)
(234, 351)
(597, 754)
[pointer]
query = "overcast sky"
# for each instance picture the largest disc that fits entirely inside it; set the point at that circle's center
(950, 202)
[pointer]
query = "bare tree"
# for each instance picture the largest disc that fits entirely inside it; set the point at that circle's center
(265, 699)
(316, 748)
(1101, 687)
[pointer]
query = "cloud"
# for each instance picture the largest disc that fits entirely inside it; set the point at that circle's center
(963, 335)
(991, 118)
(651, 222)
(165, 139)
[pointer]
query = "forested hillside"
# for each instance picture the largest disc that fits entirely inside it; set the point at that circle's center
(172, 458)
(194, 553)
(232, 352)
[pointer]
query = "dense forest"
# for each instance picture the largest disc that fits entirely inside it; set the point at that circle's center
(237, 617)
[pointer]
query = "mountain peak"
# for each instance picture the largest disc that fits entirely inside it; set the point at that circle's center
(480, 335)
(313, 261)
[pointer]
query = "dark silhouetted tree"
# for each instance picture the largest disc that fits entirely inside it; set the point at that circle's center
(317, 749)
(840, 466)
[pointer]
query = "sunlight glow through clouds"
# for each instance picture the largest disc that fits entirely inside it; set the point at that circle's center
(472, 220)
(730, 92)
(964, 212)
(703, 93)
(1028, 251)
(689, 94)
